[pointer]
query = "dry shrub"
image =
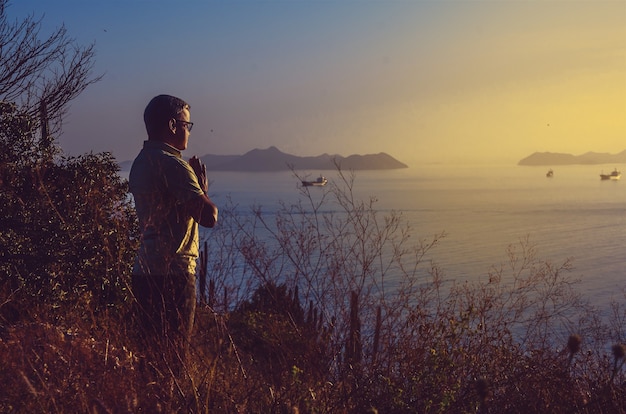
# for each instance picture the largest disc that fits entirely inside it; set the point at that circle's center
(400, 338)
(327, 306)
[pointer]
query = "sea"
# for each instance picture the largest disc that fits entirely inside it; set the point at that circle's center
(482, 210)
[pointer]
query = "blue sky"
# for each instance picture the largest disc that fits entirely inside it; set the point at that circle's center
(424, 81)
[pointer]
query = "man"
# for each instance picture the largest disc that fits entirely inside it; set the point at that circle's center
(171, 200)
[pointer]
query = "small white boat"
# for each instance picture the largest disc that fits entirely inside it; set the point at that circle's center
(319, 182)
(615, 175)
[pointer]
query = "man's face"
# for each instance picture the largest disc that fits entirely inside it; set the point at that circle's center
(180, 132)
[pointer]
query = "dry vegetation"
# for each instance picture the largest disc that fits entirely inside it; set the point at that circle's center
(325, 306)
(322, 307)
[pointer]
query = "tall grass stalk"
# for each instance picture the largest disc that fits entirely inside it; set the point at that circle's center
(324, 306)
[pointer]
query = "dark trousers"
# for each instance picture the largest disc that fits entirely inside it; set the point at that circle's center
(165, 309)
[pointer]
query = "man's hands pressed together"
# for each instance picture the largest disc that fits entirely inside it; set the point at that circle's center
(200, 169)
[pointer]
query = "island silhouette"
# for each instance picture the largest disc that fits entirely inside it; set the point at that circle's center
(588, 158)
(273, 159)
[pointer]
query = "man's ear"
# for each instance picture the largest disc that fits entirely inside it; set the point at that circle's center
(172, 125)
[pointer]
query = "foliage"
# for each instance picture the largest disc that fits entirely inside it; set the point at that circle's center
(66, 224)
(285, 344)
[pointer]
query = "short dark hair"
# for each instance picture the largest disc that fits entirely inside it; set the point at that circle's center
(160, 110)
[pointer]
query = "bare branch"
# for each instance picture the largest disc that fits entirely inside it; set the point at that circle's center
(36, 69)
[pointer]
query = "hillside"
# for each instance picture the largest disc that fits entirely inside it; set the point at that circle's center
(588, 158)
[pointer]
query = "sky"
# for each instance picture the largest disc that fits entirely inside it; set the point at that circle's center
(424, 81)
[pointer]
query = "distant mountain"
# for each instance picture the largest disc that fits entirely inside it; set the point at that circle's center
(272, 159)
(588, 158)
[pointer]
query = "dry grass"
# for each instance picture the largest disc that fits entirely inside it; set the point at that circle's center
(325, 310)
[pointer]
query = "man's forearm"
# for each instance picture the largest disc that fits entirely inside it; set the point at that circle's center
(208, 216)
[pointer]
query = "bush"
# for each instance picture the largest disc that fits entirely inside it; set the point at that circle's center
(67, 227)
(399, 338)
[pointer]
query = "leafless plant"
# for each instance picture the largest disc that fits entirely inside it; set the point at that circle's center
(37, 69)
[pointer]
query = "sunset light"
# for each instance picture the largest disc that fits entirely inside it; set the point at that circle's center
(424, 81)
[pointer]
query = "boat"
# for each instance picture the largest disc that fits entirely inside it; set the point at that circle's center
(319, 182)
(615, 175)
(550, 173)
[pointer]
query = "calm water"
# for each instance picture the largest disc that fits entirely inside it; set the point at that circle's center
(483, 210)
